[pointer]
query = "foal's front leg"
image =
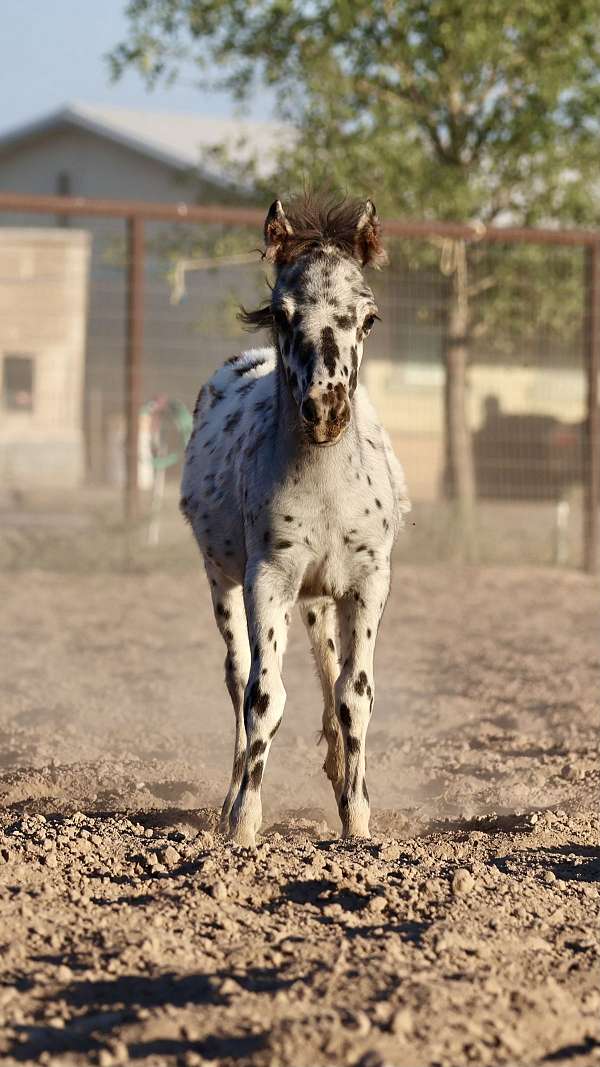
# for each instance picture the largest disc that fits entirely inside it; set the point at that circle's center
(269, 600)
(359, 615)
(230, 615)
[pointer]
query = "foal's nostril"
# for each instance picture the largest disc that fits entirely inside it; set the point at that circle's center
(309, 411)
(339, 413)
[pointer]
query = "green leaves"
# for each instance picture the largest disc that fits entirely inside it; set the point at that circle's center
(456, 110)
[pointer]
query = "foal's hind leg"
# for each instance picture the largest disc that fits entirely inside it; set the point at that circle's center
(320, 618)
(359, 617)
(230, 614)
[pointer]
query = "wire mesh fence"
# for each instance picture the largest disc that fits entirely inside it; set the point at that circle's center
(107, 332)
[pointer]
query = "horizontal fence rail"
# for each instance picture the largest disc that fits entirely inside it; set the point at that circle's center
(248, 216)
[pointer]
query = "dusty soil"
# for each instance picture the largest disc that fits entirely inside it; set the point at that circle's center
(466, 931)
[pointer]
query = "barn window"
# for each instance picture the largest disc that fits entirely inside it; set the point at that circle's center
(63, 183)
(63, 188)
(17, 383)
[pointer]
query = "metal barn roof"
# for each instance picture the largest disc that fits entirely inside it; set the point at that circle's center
(178, 140)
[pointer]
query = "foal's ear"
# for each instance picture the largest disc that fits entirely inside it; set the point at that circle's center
(277, 232)
(368, 249)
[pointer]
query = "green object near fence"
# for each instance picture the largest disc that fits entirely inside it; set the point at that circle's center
(182, 419)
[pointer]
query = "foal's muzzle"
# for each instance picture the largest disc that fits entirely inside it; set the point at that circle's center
(325, 414)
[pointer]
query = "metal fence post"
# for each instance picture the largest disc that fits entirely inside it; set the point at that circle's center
(591, 457)
(133, 360)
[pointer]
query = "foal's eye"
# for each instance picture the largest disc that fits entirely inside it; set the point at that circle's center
(281, 319)
(369, 323)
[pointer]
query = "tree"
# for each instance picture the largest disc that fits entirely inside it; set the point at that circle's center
(480, 111)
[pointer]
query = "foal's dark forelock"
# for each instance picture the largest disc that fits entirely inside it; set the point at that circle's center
(318, 220)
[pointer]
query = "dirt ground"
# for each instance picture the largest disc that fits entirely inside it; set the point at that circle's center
(467, 931)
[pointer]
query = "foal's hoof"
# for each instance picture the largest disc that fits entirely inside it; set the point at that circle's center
(243, 837)
(356, 831)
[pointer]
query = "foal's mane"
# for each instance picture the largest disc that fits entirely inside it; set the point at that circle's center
(319, 219)
(316, 219)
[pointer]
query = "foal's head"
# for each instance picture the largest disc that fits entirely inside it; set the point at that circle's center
(321, 309)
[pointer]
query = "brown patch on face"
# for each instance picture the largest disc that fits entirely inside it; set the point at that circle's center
(332, 415)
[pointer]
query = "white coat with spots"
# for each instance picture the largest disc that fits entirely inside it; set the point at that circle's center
(294, 494)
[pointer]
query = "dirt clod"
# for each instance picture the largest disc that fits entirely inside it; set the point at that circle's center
(218, 890)
(402, 1022)
(462, 882)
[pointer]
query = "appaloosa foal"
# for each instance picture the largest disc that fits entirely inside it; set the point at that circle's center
(293, 493)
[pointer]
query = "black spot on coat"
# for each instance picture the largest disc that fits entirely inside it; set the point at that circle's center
(256, 774)
(345, 716)
(361, 684)
(329, 349)
(257, 700)
(240, 371)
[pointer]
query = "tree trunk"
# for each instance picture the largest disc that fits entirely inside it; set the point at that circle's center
(460, 471)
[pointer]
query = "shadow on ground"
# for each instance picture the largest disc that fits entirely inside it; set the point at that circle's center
(105, 1006)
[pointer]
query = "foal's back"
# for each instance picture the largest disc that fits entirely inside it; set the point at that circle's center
(233, 419)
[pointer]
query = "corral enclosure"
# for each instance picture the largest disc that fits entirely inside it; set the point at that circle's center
(466, 931)
(527, 395)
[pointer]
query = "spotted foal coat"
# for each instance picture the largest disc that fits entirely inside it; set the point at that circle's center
(294, 494)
